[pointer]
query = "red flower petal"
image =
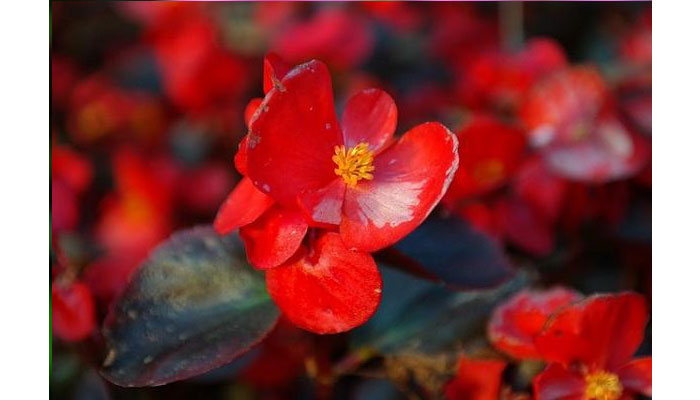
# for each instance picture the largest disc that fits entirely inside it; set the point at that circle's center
(293, 135)
(240, 160)
(563, 105)
(410, 177)
(250, 109)
(243, 206)
(72, 311)
(636, 375)
(610, 152)
(476, 380)
(327, 289)
(603, 331)
(558, 383)
(70, 167)
(274, 237)
(274, 68)
(515, 323)
(323, 206)
(369, 117)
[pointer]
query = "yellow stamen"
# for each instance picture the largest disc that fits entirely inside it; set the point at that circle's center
(603, 385)
(354, 164)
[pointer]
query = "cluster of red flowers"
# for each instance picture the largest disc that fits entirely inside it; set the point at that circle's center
(549, 164)
(587, 344)
(348, 188)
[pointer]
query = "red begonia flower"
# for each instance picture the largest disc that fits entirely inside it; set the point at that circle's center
(197, 70)
(476, 380)
(590, 345)
(570, 115)
(326, 288)
(515, 323)
(341, 174)
(501, 80)
(341, 38)
(490, 152)
(137, 215)
(72, 311)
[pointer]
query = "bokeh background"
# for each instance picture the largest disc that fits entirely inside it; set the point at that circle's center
(147, 105)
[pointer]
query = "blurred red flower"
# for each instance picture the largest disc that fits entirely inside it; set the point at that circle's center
(476, 380)
(590, 345)
(490, 152)
(71, 174)
(72, 311)
(515, 323)
(341, 38)
(500, 80)
(571, 116)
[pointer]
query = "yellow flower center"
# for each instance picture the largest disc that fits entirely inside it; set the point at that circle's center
(354, 164)
(603, 385)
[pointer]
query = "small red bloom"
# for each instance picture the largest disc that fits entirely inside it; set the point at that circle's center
(71, 175)
(490, 152)
(515, 323)
(476, 380)
(72, 311)
(352, 174)
(136, 216)
(590, 345)
(571, 116)
(342, 38)
(501, 80)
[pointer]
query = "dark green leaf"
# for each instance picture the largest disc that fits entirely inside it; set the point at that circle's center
(428, 317)
(457, 254)
(193, 306)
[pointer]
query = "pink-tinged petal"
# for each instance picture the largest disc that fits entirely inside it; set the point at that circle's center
(274, 237)
(410, 177)
(328, 289)
(274, 69)
(323, 207)
(602, 331)
(515, 323)
(293, 135)
(558, 383)
(636, 375)
(369, 117)
(611, 152)
(243, 206)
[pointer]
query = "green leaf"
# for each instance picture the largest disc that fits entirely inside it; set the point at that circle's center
(194, 305)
